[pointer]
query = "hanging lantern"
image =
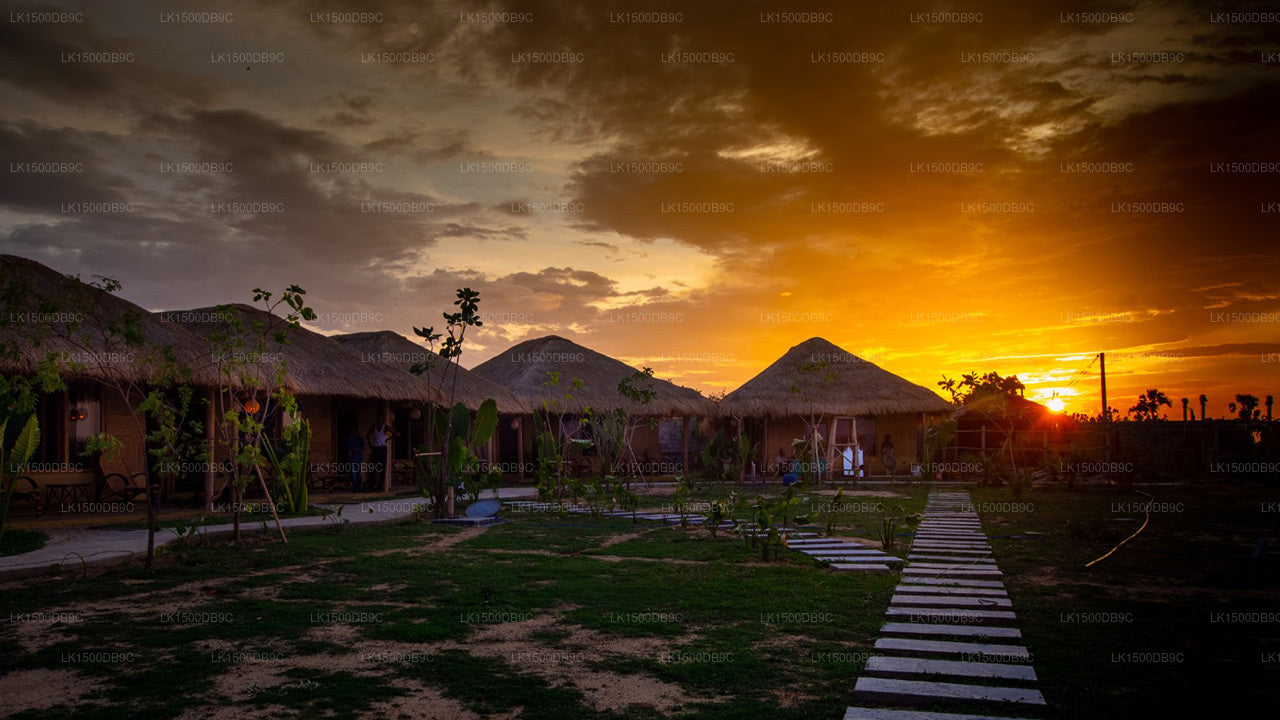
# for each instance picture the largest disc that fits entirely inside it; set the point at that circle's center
(415, 413)
(78, 414)
(251, 406)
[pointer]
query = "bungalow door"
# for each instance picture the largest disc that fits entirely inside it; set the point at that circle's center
(844, 446)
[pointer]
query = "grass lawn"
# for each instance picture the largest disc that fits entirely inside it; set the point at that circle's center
(1150, 630)
(559, 616)
(548, 616)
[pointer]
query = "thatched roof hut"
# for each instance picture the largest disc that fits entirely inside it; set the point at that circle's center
(397, 351)
(523, 369)
(818, 377)
(85, 327)
(316, 365)
(998, 411)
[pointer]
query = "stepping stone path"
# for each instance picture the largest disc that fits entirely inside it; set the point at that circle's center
(951, 640)
(841, 555)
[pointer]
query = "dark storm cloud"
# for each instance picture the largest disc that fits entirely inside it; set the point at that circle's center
(47, 167)
(49, 60)
(328, 217)
(850, 115)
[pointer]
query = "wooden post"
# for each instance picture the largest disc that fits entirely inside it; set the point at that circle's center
(210, 432)
(764, 438)
(853, 435)
(684, 444)
(1102, 368)
(386, 468)
(520, 446)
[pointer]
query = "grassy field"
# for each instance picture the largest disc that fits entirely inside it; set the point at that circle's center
(558, 616)
(547, 616)
(1167, 622)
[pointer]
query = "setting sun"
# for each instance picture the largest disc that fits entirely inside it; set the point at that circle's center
(1056, 404)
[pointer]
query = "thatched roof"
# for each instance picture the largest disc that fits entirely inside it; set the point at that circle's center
(85, 327)
(316, 365)
(1001, 412)
(397, 351)
(523, 370)
(818, 377)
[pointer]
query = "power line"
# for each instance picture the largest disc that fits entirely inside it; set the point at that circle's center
(1079, 375)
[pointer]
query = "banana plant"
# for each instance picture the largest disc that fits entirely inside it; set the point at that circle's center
(290, 466)
(465, 436)
(14, 460)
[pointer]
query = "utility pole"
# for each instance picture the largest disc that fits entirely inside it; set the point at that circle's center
(1102, 365)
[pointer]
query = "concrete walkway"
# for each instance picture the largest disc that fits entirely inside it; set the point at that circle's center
(73, 549)
(950, 640)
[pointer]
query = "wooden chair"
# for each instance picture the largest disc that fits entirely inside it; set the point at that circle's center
(402, 473)
(25, 490)
(127, 489)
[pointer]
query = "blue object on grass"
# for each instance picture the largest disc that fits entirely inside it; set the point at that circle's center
(790, 479)
(483, 508)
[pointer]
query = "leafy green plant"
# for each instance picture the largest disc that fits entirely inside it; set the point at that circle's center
(937, 437)
(465, 436)
(13, 460)
(335, 515)
(890, 520)
(252, 391)
(290, 465)
(187, 528)
(726, 457)
(680, 499)
(451, 430)
(717, 511)
(1019, 483)
(551, 443)
(832, 511)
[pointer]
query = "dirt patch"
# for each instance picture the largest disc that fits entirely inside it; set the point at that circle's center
(567, 664)
(441, 544)
(42, 689)
(621, 538)
(35, 635)
(235, 712)
(419, 702)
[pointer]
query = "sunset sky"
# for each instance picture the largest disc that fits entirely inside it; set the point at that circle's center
(1015, 194)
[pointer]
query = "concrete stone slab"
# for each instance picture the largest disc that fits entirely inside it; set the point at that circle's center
(954, 551)
(953, 647)
(846, 550)
(940, 590)
(939, 615)
(898, 666)
(859, 567)
(860, 713)
(956, 581)
(959, 565)
(882, 559)
(891, 690)
(923, 691)
(970, 631)
(912, 570)
(949, 601)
